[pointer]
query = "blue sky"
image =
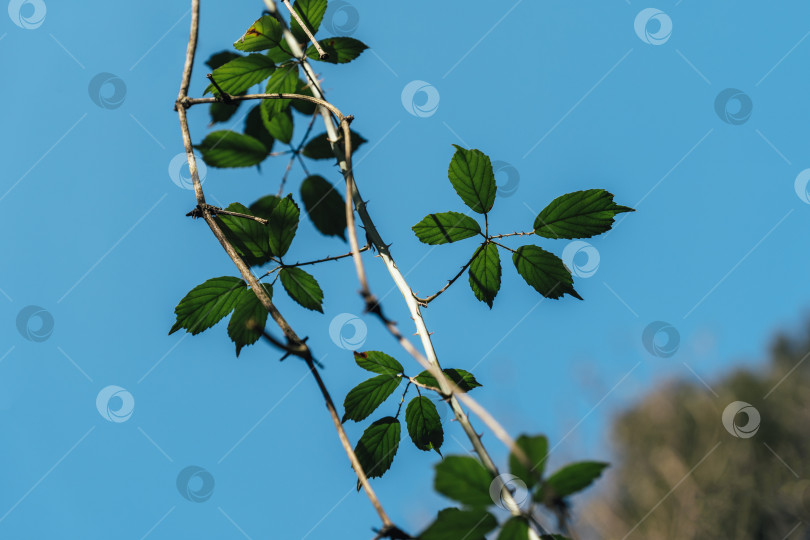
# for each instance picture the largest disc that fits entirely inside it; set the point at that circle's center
(571, 96)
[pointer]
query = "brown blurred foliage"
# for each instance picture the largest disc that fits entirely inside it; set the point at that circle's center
(682, 475)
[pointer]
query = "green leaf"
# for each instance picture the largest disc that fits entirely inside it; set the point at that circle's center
(569, 480)
(222, 112)
(302, 288)
(453, 524)
(517, 528)
(377, 447)
(544, 271)
(485, 273)
(254, 126)
(282, 215)
(580, 214)
(248, 237)
(463, 479)
(248, 319)
(280, 53)
(206, 304)
(463, 379)
(325, 206)
(378, 362)
(363, 399)
(279, 125)
(340, 49)
(311, 11)
(241, 73)
(304, 107)
(445, 227)
(319, 147)
(263, 34)
(220, 59)
(424, 424)
(284, 80)
(472, 177)
(536, 449)
(230, 149)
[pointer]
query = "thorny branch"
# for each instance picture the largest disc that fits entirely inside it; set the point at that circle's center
(295, 345)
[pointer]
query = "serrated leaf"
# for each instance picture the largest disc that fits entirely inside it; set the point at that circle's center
(463, 379)
(471, 175)
(254, 126)
(206, 304)
(311, 11)
(282, 215)
(302, 287)
(304, 107)
(248, 237)
(453, 524)
(377, 447)
(320, 148)
(463, 479)
(284, 80)
(485, 273)
(536, 449)
(279, 125)
(248, 319)
(340, 49)
(569, 480)
(424, 424)
(517, 528)
(363, 399)
(378, 362)
(445, 227)
(230, 149)
(241, 73)
(220, 59)
(544, 271)
(280, 53)
(580, 214)
(324, 205)
(263, 34)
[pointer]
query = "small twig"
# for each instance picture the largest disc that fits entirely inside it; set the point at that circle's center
(504, 247)
(425, 301)
(511, 234)
(402, 400)
(323, 54)
(330, 258)
(188, 102)
(224, 96)
(214, 210)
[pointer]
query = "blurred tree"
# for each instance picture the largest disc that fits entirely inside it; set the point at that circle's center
(684, 475)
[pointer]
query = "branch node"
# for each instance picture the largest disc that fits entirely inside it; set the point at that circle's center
(224, 96)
